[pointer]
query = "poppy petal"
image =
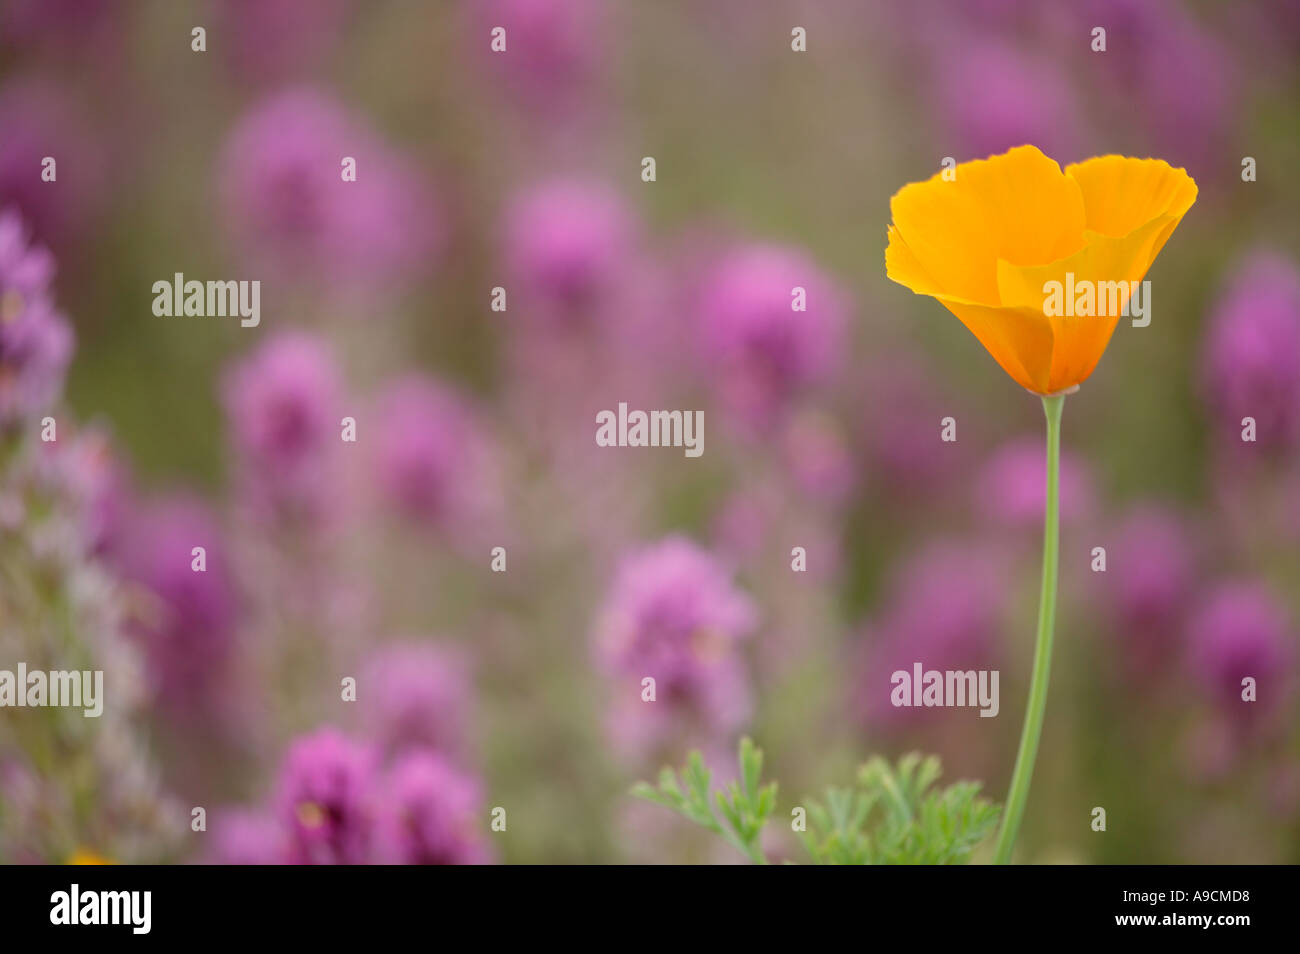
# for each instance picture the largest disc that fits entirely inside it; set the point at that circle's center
(1018, 206)
(1121, 194)
(1109, 265)
(1019, 339)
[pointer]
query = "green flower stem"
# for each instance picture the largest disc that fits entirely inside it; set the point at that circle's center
(1033, 727)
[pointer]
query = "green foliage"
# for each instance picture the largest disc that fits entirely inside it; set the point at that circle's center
(893, 816)
(744, 807)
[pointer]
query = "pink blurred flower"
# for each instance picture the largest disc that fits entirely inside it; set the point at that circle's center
(1167, 71)
(433, 462)
(819, 459)
(707, 713)
(744, 521)
(248, 838)
(1151, 576)
(432, 814)
(553, 48)
(1241, 631)
(83, 465)
(416, 696)
(35, 340)
(944, 610)
(761, 352)
(902, 448)
(85, 29)
(274, 40)
(1252, 352)
(188, 635)
(673, 614)
(326, 799)
(567, 243)
(283, 404)
(672, 609)
(993, 97)
(1190, 92)
(289, 210)
(1011, 489)
(40, 122)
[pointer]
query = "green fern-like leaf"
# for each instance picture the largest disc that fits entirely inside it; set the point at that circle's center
(895, 815)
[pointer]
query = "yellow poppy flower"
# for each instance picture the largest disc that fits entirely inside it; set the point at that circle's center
(84, 856)
(988, 242)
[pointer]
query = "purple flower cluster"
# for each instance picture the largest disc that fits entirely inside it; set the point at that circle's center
(41, 124)
(1185, 112)
(433, 464)
(35, 339)
(772, 326)
(994, 97)
(1252, 352)
(325, 799)
(552, 46)
(1151, 574)
(337, 802)
(434, 815)
(269, 41)
(283, 403)
(290, 210)
(1240, 633)
(673, 614)
(81, 467)
(899, 447)
(1011, 489)
(187, 616)
(416, 698)
(946, 611)
(566, 246)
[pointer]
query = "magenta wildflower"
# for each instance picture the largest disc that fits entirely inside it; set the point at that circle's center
(1011, 487)
(945, 611)
(274, 40)
(248, 838)
(567, 243)
(39, 121)
(432, 460)
(672, 609)
(35, 340)
(283, 403)
(1252, 352)
(773, 325)
(289, 209)
(995, 97)
(1239, 633)
(552, 48)
(432, 814)
(674, 615)
(899, 447)
(416, 696)
(326, 798)
(1151, 573)
(819, 459)
(187, 625)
